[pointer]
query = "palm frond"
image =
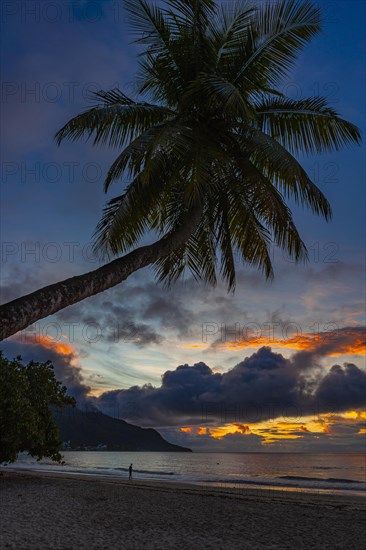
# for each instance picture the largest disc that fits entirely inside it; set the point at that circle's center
(153, 191)
(270, 206)
(113, 122)
(149, 25)
(132, 157)
(283, 169)
(189, 10)
(308, 125)
(197, 256)
(228, 31)
(249, 236)
(278, 32)
(111, 97)
(224, 240)
(126, 218)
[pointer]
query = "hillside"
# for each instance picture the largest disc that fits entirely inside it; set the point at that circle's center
(92, 429)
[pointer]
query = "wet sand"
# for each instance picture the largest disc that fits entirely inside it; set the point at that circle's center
(59, 512)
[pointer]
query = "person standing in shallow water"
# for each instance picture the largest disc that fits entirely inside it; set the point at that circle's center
(130, 472)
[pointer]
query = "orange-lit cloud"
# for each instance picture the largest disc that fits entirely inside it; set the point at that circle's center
(236, 427)
(342, 342)
(195, 430)
(358, 416)
(61, 348)
(192, 346)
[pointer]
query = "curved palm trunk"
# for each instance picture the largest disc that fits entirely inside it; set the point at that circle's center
(24, 311)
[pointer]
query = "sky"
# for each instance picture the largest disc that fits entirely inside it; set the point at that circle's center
(276, 366)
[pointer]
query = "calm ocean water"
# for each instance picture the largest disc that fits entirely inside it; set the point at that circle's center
(340, 472)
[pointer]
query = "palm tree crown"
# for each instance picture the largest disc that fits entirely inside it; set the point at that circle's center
(212, 134)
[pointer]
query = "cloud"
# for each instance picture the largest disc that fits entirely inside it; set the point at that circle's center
(201, 439)
(326, 432)
(63, 357)
(230, 411)
(340, 341)
(106, 320)
(263, 386)
(232, 442)
(343, 386)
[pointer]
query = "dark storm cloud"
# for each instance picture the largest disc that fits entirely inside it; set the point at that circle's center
(263, 386)
(343, 386)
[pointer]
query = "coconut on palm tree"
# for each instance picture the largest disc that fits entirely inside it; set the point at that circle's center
(208, 148)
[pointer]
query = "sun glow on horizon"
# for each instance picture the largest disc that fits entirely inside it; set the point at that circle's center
(282, 428)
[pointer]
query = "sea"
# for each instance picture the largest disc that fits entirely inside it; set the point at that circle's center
(309, 472)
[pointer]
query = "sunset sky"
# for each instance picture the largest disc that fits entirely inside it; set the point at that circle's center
(276, 366)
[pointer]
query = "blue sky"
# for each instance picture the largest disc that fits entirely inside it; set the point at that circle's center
(52, 199)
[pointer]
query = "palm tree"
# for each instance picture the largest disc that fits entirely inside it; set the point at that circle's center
(208, 149)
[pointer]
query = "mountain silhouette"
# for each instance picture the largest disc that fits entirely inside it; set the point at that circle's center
(93, 430)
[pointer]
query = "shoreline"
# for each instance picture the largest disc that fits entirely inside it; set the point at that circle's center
(223, 486)
(46, 510)
(229, 490)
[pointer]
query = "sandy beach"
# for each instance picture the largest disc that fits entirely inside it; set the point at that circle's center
(59, 512)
